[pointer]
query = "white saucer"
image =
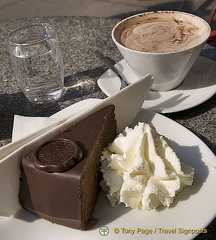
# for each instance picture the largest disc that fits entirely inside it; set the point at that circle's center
(193, 208)
(198, 86)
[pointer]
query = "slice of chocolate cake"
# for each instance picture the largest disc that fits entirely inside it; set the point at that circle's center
(60, 179)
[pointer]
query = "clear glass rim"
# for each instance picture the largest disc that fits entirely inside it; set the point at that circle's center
(50, 34)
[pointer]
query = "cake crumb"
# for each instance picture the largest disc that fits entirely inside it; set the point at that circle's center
(64, 130)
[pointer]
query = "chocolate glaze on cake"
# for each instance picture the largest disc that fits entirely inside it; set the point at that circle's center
(60, 179)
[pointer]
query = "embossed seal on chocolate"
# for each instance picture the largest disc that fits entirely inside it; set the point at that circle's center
(57, 155)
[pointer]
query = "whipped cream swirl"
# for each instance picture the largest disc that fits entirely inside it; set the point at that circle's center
(141, 169)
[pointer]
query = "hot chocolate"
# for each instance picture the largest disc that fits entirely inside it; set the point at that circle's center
(163, 32)
(163, 43)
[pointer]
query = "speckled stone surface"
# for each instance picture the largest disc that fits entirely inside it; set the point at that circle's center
(77, 35)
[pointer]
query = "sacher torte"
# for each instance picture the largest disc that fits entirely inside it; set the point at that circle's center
(60, 179)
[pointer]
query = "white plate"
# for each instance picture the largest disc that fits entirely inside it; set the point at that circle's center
(194, 207)
(198, 86)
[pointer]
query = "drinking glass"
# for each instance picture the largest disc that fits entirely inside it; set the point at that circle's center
(37, 62)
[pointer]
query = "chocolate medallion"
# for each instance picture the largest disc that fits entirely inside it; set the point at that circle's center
(57, 155)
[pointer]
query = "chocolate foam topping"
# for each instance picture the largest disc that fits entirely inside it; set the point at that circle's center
(164, 32)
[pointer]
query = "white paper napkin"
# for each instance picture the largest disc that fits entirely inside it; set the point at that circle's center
(127, 103)
(26, 126)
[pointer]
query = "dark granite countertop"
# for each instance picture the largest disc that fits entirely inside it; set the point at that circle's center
(77, 35)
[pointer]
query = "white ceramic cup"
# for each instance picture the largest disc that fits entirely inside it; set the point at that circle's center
(168, 68)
